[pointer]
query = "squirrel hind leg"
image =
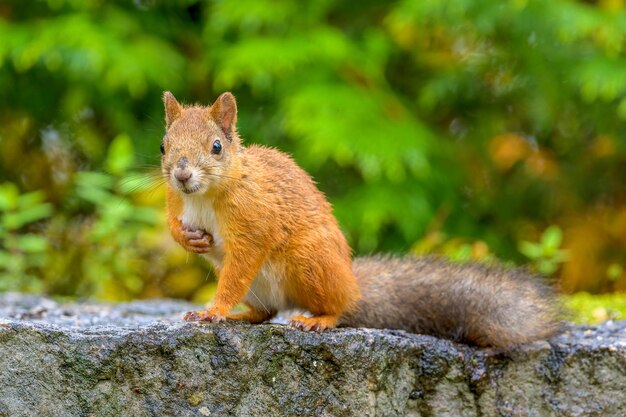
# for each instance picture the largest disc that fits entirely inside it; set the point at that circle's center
(315, 323)
(253, 315)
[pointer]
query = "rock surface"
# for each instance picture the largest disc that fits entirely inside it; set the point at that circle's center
(140, 359)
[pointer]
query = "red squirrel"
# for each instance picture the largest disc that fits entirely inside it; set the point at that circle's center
(275, 245)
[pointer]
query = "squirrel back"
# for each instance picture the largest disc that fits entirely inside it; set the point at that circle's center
(483, 305)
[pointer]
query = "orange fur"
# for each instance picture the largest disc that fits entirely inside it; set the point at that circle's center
(275, 242)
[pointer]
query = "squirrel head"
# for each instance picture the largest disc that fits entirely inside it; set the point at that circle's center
(200, 145)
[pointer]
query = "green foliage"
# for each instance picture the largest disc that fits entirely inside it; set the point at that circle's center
(112, 241)
(456, 126)
(546, 255)
(21, 253)
(104, 254)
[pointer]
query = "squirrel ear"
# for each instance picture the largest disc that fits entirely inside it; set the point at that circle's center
(224, 112)
(173, 109)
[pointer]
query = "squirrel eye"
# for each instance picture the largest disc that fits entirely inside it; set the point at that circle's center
(217, 147)
(162, 149)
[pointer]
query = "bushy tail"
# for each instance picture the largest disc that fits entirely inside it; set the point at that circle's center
(470, 303)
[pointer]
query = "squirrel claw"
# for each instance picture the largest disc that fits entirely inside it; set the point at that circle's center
(297, 325)
(202, 245)
(194, 234)
(191, 316)
(198, 234)
(203, 316)
(203, 241)
(213, 318)
(306, 327)
(313, 324)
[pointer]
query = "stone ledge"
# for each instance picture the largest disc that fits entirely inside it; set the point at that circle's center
(139, 359)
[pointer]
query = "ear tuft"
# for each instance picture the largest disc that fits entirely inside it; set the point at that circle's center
(173, 109)
(224, 112)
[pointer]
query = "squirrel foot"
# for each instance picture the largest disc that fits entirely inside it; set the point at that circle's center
(212, 316)
(315, 324)
(196, 240)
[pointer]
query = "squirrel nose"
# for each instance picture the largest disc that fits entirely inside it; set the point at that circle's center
(182, 175)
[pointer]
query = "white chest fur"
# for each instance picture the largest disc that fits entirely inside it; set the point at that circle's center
(199, 213)
(266, 291)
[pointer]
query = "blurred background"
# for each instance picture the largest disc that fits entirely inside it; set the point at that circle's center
(482, 129)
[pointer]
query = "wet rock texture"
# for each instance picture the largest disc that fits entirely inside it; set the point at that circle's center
(139, 359)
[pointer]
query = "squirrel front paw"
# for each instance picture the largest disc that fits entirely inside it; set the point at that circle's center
(195, 240)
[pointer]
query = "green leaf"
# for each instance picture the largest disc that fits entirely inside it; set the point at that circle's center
(531, 250)
(32, 243)
(547, 267)
(16, 220)
(552, 238)
(96, 196)
(8, 196)
(27, 200)
(88, 179)
(121, 155)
